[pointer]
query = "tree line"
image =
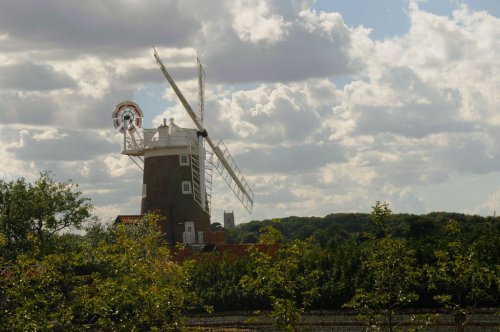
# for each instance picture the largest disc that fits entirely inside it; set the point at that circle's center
(119, 277)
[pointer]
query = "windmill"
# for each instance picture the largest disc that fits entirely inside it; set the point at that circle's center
(177, 167)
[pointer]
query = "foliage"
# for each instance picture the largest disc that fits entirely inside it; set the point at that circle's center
(126, 282)
(459, 279)
(381, 215)
(134, 284)
(215, 279)
(270, 236)
(287, 278)
(390, 274)
(123, 277)
(340, 266)
(216, 226)
(36, 295)
(3, 243)
(334, 229)
(31, 214)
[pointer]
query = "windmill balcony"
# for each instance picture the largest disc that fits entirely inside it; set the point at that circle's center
(165, 136)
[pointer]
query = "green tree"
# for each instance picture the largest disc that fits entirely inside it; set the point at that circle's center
(215, 279)
(3, 243)
(36, 294)
(341, 266)
(133, 284)
(286, 278)
(390, 279)
(15, 217)
(118, 279)
(216, 226)
(460, 280)
(380, 216)
(31, 214)
(390, 275)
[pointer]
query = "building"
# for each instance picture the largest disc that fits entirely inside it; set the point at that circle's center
(229, 220)
(170, 184)
(173, 175)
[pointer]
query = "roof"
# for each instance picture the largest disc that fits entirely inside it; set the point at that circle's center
(128, 219)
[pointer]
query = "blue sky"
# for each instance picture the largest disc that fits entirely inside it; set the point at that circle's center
(327, 106)
(389, 18)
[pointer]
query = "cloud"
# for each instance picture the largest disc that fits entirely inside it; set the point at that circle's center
(490, 206)
(290, 159)
(322, 117)
(29, 76)
(404, 122)
(97, 28)
(89, 159)
(67, 145)
(253, 22)
(50, 134)
(17, 108)
(303, 45)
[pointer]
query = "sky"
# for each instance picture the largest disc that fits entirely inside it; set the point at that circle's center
(327, 106)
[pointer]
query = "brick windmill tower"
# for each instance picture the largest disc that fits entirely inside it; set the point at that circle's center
(177, 169)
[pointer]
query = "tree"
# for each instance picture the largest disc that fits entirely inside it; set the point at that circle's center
(14, 217)
(380, 216)
(286, 278)
(36, 294)
(131, 283)
(215, 279)
(460, 280)
(390, 275)
(341, 266)
(122, 281)
(31, 214)
(216, 226)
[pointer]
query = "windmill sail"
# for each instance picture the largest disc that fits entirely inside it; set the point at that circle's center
(227, 168)
(178, 92)
(201, 89)
(225, 164)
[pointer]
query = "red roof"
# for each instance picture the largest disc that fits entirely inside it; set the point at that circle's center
(128, 219)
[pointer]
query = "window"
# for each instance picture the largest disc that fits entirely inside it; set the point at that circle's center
(184, 160)
(186, 187)
(144, 190)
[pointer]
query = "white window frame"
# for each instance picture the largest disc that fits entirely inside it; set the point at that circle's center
(186, 162)
(188, 189)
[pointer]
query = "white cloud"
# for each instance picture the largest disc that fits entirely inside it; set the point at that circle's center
(490, 207)
(253, 22)
(55, 144)
(117, 166)
(323, 117)
(12, 168)
(49, 134)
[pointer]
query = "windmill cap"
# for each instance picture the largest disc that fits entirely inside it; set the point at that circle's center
(203, 133)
